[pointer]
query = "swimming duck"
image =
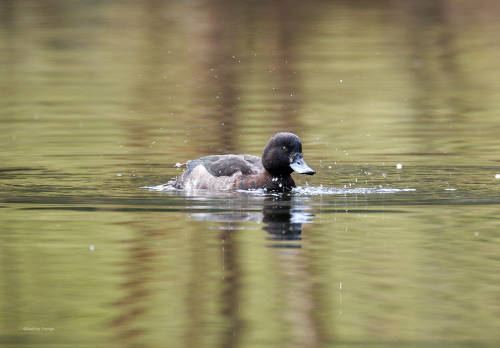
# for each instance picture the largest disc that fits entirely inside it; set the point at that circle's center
(282, 156)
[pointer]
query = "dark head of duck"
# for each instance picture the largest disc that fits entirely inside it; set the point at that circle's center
(282, 156)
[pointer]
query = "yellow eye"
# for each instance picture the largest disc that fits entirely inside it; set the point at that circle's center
(284, 149)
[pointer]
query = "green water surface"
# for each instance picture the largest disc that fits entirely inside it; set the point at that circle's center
(99, 99)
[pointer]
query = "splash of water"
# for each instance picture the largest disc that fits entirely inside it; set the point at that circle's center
(302, 190)
(320, 190)
(163, 187)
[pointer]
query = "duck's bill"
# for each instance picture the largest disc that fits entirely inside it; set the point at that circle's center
(300, 166)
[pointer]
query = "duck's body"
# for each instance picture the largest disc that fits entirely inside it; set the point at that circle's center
(230, 172)
(282, 155)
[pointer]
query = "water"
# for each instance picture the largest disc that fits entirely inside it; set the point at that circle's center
(394, 242)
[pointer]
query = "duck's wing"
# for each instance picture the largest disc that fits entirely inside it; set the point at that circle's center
(204, 161)
(227, 165)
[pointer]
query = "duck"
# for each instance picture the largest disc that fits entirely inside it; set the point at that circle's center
(281, 157)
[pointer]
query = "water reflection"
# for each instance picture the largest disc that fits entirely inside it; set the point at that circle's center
(282, 217)
(231, 284)
(135, 289)
(283, 220)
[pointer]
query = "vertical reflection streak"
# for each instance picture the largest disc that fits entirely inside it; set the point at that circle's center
(230, 296)
(283, 219)
(132, 306)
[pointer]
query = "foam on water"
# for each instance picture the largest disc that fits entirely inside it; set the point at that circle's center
(320, 190)
(302, 190)
(162, 187)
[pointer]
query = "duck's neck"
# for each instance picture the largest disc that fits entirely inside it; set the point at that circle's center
(279, 183)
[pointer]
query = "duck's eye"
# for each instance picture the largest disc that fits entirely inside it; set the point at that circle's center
(284, 149)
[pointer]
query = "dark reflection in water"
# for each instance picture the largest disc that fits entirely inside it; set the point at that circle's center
(279, 220)
(230, 297)
(282, 218)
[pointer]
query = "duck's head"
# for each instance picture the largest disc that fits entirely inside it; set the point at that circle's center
(283, 155)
